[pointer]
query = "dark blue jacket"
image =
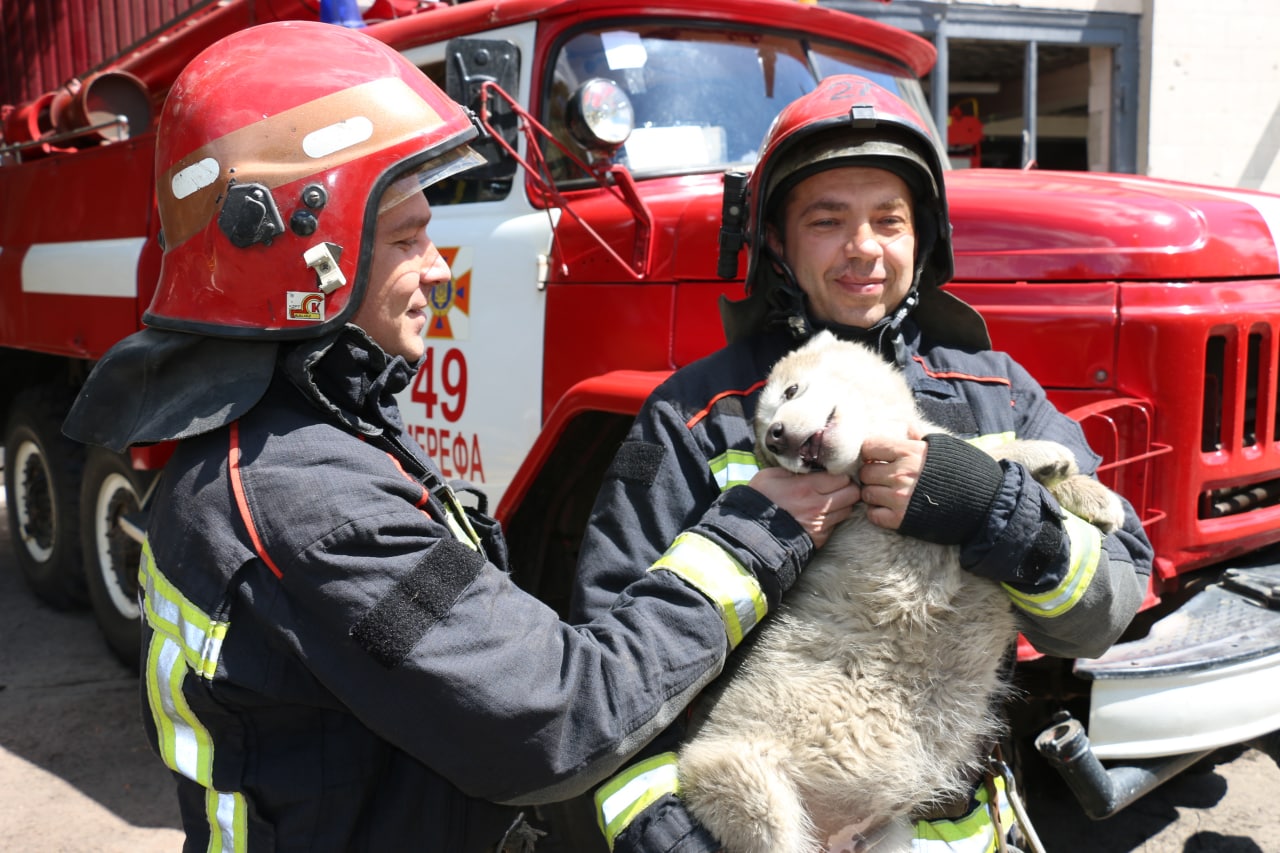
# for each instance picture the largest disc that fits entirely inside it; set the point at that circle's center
(334, 662)
(697, 431)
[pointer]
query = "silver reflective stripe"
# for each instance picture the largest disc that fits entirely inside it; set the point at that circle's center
(184, 743)
(710, 569)
(169, 612)
(227, 822)
(734, 468)
(1086, 551)
(185, 640)
(633, 790)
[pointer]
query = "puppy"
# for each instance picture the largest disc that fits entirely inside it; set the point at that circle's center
(875, 688)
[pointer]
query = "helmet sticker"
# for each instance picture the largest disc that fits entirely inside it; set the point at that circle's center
(336, 137)
(195, 177)
(305, 306)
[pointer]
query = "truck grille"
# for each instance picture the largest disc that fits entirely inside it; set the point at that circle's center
(1239, 416)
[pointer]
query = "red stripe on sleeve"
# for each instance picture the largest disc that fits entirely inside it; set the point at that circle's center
(237, 487)
(994, 380)
(693, 421)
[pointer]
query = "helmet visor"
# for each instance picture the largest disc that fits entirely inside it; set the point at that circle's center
(447, 165)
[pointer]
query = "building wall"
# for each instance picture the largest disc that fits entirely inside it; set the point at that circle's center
(1212, 93)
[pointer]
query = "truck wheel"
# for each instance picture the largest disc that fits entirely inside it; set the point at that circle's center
(41, 479)
(112, 489)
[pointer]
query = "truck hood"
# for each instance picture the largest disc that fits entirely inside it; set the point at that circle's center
(1077, 226)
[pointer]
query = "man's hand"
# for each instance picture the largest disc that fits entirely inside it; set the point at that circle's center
(890, 470)
(817, 501)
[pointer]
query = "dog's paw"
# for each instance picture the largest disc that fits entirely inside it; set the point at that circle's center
(1048, 461)
(1089, 499)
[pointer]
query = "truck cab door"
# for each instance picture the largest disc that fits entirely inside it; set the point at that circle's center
(475, 405)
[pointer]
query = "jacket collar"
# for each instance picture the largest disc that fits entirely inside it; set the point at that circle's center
(347, 375)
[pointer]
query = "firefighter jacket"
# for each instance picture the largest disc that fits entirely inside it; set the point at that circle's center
(336, 659)
(1073, 588)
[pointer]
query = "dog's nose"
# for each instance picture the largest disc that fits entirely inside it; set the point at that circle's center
(776, 440)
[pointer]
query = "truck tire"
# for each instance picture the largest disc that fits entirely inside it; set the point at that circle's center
(42, 486)
(109, 490)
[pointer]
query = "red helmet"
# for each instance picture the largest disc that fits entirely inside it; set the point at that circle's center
(273, 150)
(846, 121)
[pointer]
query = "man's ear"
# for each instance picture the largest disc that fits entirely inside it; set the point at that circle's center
(773, 239)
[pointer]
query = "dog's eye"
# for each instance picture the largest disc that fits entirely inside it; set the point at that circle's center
(791, 392)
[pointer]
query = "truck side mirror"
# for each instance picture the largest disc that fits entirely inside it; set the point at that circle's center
(469, 64)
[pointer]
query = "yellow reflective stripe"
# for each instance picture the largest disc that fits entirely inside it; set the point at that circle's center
(992, 440)
(712, 571)
(184, 743)
(457, 521)
(734, 468)
(1086, 550)
(619, 800)
(973, 833)
(186, 640)
(228, 822)
(170, 613)
(461, 529)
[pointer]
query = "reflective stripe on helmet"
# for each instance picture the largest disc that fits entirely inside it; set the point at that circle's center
(973, 833)
(1086, 550)
(185, 640)
(708, 568)
(619, 800)
(734, 468)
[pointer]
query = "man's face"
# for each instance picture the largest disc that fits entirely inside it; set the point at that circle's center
(405, 266)
(848, 235)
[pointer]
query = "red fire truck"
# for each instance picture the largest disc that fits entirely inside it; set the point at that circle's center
(1149, 309)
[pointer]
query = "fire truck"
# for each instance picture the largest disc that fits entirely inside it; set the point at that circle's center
(585, 271)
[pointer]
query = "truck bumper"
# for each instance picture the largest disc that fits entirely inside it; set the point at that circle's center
(1205, 676)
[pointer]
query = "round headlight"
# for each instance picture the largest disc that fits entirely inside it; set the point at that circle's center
(600, 115)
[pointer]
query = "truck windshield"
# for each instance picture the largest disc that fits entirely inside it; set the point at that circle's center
(703, 98)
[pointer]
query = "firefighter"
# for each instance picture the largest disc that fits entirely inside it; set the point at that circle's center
(334, 657)
(847, 229)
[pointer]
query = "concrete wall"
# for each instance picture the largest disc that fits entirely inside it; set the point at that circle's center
(1212, 81)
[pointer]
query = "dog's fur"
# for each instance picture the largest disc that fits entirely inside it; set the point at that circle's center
(874, 689)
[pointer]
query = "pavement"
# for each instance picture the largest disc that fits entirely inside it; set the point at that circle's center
(76, 774)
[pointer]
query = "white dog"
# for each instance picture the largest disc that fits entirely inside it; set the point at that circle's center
(875, 687)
